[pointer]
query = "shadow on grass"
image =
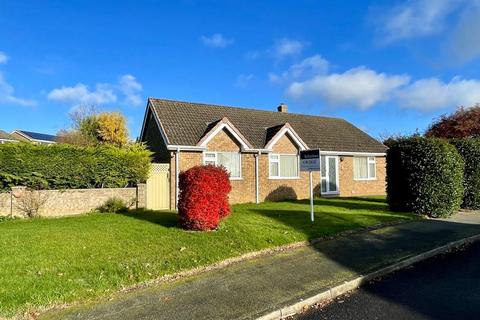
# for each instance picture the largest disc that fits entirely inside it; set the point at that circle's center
(379, 199)
(370, 204)
(168, 219)
(332, 215)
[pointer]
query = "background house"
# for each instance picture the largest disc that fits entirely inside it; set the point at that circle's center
(34, 137)
(260, 150)
(5, 137)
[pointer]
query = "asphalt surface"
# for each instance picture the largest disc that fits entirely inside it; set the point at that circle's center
(444, 287)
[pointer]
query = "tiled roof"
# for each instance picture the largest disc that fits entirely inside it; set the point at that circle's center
(185, 123)
(39, 136)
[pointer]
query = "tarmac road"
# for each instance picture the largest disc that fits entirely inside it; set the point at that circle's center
(444, 287)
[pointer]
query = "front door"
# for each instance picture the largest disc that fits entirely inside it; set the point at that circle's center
(329, 171)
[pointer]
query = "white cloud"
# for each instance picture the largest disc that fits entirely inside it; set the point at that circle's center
(360, 87)
(131, 89)
(287, 47)
(3, 57)
(432, 94)
(216, 40)
(252, 55)
(463, 43)
(315, 64)
(7, 91)
(7, 94)
(415, 18)
(104, 93)
(308, 67)
(80, 94)
(275, 78)
(243, 80)
(364, 88)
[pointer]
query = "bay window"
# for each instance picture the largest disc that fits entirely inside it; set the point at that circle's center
(283, 166)
(231, 161)
(364, 168)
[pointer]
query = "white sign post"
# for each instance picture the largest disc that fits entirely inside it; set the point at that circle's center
(310, 161)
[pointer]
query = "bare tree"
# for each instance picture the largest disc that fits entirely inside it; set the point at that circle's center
(79, 114)
(83, 127)
(30, 201)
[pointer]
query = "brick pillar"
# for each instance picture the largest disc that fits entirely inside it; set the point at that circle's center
(141, 195)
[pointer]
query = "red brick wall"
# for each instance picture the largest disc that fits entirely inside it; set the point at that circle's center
(243, 190)
(278, 189)
(350, 187)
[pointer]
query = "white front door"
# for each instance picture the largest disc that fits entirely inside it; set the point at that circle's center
(329, 172)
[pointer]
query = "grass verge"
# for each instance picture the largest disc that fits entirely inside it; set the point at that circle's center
(54, 261)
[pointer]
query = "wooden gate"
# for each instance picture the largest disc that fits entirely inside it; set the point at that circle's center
(158, 187)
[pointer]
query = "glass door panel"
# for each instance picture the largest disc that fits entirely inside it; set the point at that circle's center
(329, 174)
(332, 174)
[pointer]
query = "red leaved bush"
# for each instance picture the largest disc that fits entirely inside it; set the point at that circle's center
(465, 122)
(203, 198)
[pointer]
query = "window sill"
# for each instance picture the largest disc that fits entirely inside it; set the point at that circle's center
(236, 179)
(283, 178)
(333, 193)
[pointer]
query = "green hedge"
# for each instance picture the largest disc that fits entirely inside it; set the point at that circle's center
(63, 166)
(424, 175)
(469, 149)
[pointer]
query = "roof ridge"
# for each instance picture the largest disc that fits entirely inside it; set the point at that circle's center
(244, 108)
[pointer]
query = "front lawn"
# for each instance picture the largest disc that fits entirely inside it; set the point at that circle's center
(51, 261)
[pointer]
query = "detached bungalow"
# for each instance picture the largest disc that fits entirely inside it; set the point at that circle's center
(34, 137)
(260, 149)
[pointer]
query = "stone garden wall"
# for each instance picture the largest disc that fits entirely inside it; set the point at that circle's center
(55, 203)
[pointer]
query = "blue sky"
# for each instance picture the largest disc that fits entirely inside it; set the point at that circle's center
(387, 66)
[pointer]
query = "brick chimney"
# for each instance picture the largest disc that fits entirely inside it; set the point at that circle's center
(282, 107)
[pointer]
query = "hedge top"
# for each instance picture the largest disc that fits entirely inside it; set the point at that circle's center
(63, 166)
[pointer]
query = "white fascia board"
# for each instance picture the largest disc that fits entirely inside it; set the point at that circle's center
(145, 119)
(292, 135)
(43, 141)
(211, 135)
(174, 147)
(252, 150)
(22, 134)
(348, 153)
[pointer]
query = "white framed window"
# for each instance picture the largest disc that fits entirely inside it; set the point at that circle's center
(283, 166)
(231, 161)
(364, 168)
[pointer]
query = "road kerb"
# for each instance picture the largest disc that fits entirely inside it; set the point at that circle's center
(347, 286)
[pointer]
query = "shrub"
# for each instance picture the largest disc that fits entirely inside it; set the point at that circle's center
(464, 122)
(30, 201)
(203, 198)
(113, 205)
(424, 175)
(63, 166)
(7, 218)
(469, 149)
